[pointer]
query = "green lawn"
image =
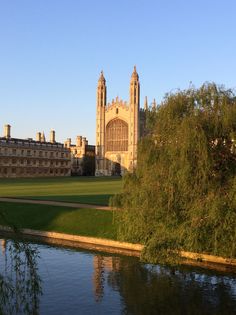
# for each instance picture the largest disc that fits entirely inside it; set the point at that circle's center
(86, 222)
(92, 190)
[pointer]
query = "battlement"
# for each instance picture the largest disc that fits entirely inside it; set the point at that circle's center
(117, 103)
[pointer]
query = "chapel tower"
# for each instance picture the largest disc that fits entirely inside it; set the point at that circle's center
(134, 117)
(100, 123)
(118, 129)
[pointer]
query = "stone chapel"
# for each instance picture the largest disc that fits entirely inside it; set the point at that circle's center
(119, 125)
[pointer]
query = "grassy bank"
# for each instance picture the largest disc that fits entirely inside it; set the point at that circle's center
(92, 190)
(85, 222)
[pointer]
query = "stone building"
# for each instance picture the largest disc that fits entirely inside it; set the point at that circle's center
(82, 156)
(119, 126)
(30, 158)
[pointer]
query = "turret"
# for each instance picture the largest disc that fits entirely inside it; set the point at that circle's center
(134, 117)
(78, 141)
(84, 143)
(67, 143)
(100, 124)
(101, 91)
(134, 88)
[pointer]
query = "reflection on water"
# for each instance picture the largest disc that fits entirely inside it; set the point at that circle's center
(82, 282)
(103, 265)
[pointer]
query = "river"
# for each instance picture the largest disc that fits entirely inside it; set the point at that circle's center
(36, 278)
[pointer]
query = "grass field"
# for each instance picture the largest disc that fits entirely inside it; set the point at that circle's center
(86, 222)
(91, 190)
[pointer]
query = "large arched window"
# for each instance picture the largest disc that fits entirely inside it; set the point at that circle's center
(117, 135)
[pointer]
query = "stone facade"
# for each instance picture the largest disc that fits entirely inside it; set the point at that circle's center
(30, 158)
(119, 126)
(82, 156)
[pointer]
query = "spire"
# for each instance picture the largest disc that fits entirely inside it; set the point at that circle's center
(101, 91)
(134, 76)
(101, 78)
(146, 103)
(154, 104)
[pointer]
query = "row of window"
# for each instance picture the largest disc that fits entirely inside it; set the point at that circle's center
(35, 162)
(30, 143)
(32, 171)
(36, 153)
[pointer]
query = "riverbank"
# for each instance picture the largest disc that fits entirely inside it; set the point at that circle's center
(86, 228)
(124, 248)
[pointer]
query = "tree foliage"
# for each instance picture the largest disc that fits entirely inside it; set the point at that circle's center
(182, 195)
(88, 165)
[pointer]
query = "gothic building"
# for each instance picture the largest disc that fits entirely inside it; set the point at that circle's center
(119, 126)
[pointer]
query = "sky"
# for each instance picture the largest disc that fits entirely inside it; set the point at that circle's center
(52, 53)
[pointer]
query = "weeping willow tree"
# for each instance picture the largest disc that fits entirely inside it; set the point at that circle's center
(20, 283)
(182, 195)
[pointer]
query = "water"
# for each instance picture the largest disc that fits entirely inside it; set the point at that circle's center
(59, 280)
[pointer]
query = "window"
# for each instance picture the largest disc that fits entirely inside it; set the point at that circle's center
(117, 135)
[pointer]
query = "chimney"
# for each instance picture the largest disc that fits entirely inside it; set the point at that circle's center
(43, 139)
(7, 131)
(52, 136)
(38, 136)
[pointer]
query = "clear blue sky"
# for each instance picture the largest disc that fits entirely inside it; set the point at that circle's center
(52, 52)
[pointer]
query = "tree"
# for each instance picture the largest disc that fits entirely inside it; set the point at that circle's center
(183, 192)
(88, 165)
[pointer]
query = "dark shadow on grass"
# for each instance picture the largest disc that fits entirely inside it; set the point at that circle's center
(86, 222)
(37, 180)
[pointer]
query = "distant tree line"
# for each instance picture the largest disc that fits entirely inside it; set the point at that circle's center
(182, 195)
